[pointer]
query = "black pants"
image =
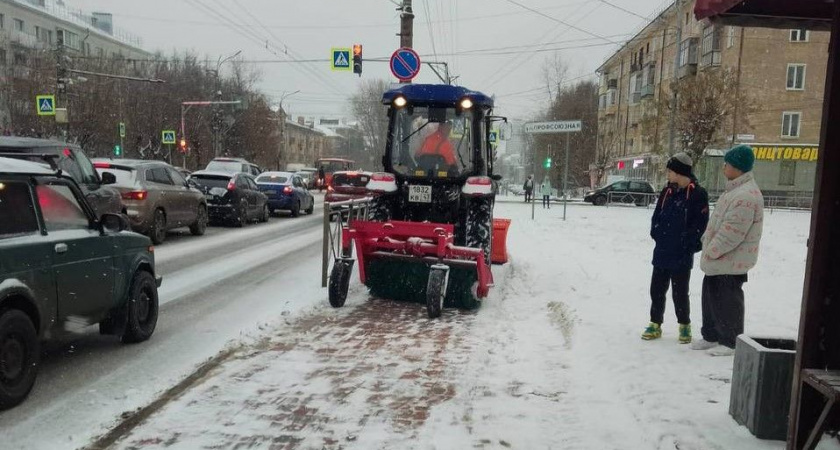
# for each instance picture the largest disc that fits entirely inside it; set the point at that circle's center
(723, 308)
(546, 201)
(527, 196)
(678, 280)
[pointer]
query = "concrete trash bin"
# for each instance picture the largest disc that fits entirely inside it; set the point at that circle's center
(761, 381)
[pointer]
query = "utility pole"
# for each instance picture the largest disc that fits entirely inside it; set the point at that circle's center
(672, 136)
(406, 24)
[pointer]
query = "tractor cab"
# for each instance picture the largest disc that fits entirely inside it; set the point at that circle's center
(438, 134)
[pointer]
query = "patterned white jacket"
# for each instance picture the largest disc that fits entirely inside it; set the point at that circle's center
(730, 243)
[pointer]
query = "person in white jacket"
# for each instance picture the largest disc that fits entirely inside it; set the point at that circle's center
(730, 250)
(545, 191)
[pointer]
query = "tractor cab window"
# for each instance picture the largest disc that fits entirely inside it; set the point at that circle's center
(433, 142)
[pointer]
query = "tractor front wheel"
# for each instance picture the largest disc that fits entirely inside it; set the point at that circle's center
(340, 282)
(479, 225)
(436, 290)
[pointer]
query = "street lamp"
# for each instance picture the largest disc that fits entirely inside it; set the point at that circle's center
(283, 136)
(217, 139)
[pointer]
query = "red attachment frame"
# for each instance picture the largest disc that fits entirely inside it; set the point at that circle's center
(431, 241)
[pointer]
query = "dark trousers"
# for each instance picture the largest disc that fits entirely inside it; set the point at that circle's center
(546, 201)
(678, 280)
(527, 195)
(723, 308)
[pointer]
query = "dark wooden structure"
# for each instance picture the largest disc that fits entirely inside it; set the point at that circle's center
(815, 396)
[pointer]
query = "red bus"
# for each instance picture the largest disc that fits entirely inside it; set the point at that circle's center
(331, 165)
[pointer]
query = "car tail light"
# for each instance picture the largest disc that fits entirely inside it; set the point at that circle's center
(151, 249)
(382, 182)
(68, 153)
(231, 185)
(287, 190)
(477, 186)
(330, 189)
(135, 195)
(102, 165)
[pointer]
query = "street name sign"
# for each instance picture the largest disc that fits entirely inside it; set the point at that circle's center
(561, 126)
(340, 59)
(45, 105)
(167, 137)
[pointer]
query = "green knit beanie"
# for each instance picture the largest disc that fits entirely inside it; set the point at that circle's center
(740, 157)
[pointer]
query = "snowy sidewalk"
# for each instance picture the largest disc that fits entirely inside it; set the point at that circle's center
(552, 360)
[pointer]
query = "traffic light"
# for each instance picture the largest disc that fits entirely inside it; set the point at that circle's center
(547, 163)
(182, 146)
(117, 150)
(357, 59)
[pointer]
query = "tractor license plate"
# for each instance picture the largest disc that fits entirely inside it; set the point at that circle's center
(420, 194)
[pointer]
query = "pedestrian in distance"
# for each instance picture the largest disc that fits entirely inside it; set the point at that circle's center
(678, 223)
(730, 250)
(322, 178)
(545, 191)
(528, 187)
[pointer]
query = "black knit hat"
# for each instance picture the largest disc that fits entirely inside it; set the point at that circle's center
(681, 164)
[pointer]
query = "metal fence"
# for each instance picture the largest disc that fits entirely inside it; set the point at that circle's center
(336, 215)
(774, 202)
(633, 198)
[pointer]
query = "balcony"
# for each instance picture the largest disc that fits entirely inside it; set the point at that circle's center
(25, 40)
(648, 91)
(635, 98)
(687, 70)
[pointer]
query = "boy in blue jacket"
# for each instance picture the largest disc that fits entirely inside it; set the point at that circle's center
(678, 222)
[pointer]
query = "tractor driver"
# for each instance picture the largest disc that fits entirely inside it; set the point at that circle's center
(438, 144)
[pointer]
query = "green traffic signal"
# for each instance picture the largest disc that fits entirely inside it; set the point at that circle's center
(117, 150)
(547, 164)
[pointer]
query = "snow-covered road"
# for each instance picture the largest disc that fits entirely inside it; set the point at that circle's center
(217, 289)
(553, 358)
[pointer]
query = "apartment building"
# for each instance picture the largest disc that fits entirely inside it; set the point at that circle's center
(781, 72)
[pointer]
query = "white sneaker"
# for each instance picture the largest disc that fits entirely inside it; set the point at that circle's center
(703, 344)
(721, 350)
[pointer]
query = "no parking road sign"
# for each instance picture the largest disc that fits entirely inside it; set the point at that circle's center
(405, 64)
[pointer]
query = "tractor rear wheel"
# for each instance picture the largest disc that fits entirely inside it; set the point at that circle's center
(479, 226)
(436, 290)
(340, 282)
(380, 209)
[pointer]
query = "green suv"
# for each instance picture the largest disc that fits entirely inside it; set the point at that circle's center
(62, 268)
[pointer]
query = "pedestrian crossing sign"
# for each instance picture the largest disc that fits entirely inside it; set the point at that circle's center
(45, 105)
(167, 137)
(341, 59)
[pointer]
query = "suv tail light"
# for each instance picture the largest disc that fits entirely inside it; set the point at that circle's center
(382, 182)
(231, 185)
(135, 195)
(287, 190)
(478, 186)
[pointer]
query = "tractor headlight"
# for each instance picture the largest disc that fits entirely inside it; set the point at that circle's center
(466, 103)
(400, 101)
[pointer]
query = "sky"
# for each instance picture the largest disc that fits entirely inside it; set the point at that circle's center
(495, 46)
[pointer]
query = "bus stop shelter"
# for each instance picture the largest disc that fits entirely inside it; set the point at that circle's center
(815, 394)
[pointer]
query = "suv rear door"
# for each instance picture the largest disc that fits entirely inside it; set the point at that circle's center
(83, 259)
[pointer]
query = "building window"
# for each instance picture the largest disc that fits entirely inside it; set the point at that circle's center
(796, 77)
(711, 46)
(19, 25)
(787, 173)
(686, 18)
(790, 124)
(730, 37)
(688, 52)
(2, 57)
(2, 21)
(799, 35)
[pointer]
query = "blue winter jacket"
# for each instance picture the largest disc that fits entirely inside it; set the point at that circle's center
(678, 222)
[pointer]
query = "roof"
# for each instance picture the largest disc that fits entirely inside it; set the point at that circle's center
(230, 158)
(277, 174)
(127, 162)
(19, 166)
(436, 94)
(813, 14)
(25, 142)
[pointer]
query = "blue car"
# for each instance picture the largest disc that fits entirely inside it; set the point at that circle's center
(286, 191)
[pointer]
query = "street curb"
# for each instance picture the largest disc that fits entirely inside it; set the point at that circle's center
(131, 420)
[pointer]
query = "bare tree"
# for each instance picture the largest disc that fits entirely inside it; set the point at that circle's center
(366, 106)
(705, 110)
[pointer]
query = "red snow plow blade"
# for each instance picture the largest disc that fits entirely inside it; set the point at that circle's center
(411, 261)
(430, 242)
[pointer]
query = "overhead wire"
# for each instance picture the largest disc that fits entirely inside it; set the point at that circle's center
(429, 26)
